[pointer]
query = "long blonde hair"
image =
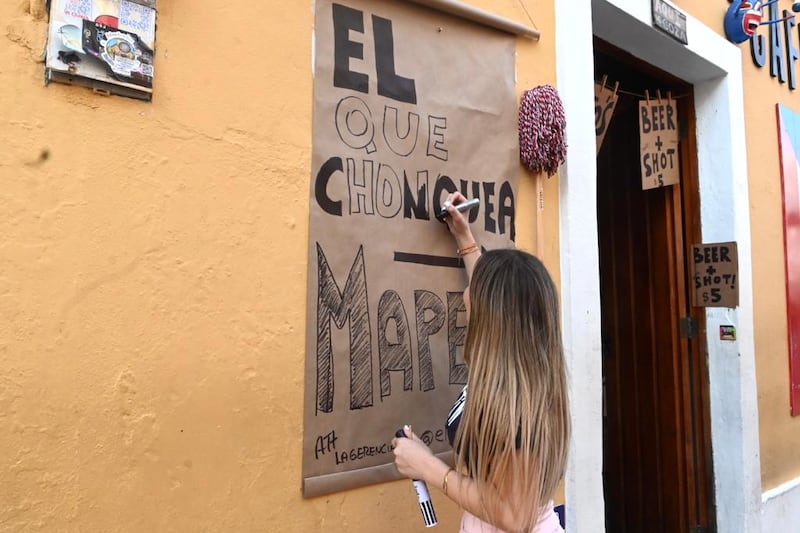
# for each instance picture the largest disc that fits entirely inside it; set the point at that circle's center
(514, 431)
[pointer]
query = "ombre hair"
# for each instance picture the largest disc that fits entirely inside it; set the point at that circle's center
(514, 431)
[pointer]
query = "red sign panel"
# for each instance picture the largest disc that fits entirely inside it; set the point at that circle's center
(789, 142)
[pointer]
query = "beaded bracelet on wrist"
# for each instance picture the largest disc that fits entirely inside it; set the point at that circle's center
(468, 249)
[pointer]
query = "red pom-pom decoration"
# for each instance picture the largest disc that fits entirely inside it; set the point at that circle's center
(542, 125)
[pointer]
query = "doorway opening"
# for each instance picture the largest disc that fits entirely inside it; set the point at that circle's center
(657, 465)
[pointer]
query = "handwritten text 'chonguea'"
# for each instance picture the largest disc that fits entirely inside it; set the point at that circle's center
(366, 183)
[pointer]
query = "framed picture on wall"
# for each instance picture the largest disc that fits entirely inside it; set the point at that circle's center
(789, 143)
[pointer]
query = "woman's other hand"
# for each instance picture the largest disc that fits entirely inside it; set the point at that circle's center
(413, 458)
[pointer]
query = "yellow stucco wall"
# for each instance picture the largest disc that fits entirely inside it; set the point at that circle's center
(153, 279)
(779, 432)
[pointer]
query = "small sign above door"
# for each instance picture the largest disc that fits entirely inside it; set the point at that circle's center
(715, 273)
(670, 20)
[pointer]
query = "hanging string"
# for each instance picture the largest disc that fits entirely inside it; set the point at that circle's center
(638, 95)
(525, 9)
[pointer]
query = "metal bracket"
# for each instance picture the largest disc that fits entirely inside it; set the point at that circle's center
(688, 327)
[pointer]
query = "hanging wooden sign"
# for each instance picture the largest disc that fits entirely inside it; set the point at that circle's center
(605, 100)
(658, 142)
(715, 275)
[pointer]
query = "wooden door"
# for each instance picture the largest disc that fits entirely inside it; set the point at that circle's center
(656, 452)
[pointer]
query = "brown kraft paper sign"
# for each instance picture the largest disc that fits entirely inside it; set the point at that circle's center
(409, 104)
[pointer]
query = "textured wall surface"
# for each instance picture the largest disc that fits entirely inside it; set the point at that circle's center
(153, 278)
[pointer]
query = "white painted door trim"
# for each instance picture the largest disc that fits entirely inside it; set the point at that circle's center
(580, 288)
(714, 66)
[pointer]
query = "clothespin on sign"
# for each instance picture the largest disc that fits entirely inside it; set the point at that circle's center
(603, 81)
(658, 94)
(616, 86)
(647, 94)
(669, 96)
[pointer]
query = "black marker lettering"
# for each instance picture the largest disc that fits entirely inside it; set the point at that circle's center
(388, 194)
(324, 201)
(360, 186)
(394, 354)
(350, 305)
(401, 143)
(456, 336)
(476, 193)
(390, 84)
(443, 183)
(346, 19)
(506, 211)
(488, 207)
(419, 205)
(436, 129)
(354, 124)
(430, 314)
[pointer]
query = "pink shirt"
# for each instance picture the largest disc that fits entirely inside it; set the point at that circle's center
(548, 523)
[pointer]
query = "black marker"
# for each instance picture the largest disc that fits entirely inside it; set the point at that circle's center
(462, 207)
(424, 497)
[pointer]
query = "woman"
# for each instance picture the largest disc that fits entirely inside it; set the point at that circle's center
(510, 427)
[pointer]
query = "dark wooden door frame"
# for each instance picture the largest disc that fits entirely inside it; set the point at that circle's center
(690, 367)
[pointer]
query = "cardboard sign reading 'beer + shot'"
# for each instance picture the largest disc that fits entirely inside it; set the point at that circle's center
(715, 272)
(658, 142)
